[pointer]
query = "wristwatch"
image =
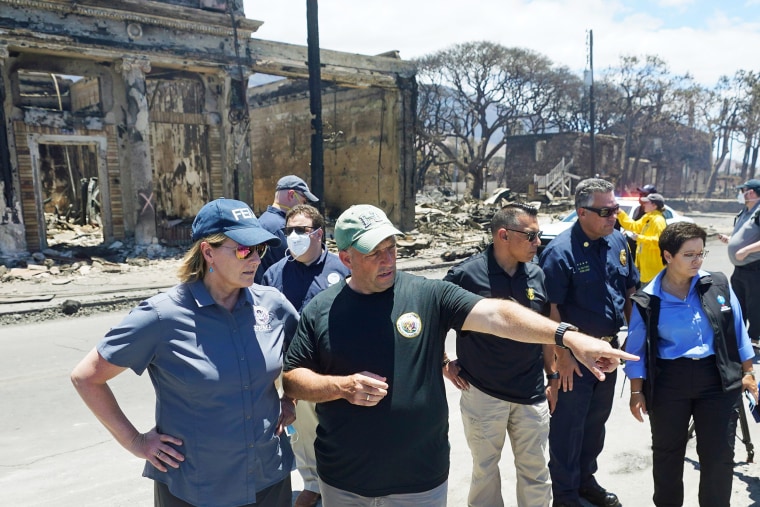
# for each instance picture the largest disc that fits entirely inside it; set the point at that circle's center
(559, 334)
(552, 376)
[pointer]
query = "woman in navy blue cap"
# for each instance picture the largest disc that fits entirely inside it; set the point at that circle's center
(213, 348)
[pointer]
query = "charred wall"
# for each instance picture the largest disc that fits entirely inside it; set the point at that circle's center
(538, 154)
(363, 144)
(144, 97)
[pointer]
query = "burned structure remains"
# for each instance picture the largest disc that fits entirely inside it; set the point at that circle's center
(129, 116)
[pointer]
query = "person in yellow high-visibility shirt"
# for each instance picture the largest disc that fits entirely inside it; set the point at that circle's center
(646, 231)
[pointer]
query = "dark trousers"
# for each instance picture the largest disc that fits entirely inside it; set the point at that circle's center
(576, 433)
(685, 389)
(746, 284)
(276, 495)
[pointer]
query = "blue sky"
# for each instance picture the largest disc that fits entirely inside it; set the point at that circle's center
(706, 38)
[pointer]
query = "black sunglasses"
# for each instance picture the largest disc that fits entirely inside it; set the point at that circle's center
(298, 229)
(530, 235)
(243, 252)
(603, 212)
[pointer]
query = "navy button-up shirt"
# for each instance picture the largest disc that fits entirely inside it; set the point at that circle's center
(588, 279)
(300, 282)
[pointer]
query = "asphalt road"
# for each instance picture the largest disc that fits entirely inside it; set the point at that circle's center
(53, 452)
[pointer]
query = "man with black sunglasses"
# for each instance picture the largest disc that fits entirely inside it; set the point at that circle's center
(589, 280)
(502, 381)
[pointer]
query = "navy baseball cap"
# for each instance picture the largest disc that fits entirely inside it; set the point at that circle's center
(751, 185)
(647, 189)
(234, 219)
(293, 182)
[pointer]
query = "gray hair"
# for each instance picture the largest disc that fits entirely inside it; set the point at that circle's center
(584, 192)
(507, 216)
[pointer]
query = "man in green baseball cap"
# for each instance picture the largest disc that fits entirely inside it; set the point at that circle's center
(368, 351)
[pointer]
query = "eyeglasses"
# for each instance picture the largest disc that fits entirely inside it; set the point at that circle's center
(298, 229)
(529, 235)
(243, 252)
(690, 256)
(603, 212)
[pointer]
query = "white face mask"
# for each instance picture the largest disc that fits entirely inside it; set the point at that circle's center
(740, 197)
(298, 244)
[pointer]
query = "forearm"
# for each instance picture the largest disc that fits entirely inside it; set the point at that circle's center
(637, 385)
(304, 384)
(100, 400)
(751, 248)
(550, 363)
(508, 319)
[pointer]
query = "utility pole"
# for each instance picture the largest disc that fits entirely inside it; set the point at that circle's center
(591, 99)
(315, 105)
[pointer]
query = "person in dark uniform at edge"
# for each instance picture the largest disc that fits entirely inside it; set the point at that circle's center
(502, 381)
(290, 191)
(306, 270)
(744, 254)
(589, 280)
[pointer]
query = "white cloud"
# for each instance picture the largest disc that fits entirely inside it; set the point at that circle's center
(554, 28)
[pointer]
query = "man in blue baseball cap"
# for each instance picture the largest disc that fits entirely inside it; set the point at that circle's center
(289, 192)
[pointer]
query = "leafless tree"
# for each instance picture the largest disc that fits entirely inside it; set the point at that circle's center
(473, 95)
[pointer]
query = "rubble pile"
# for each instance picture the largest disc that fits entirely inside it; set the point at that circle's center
(445, 228)
(78, 251)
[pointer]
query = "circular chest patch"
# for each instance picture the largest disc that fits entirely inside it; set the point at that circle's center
(333, 278)
(409, 325)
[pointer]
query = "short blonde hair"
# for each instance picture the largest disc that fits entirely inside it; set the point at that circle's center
(193, 266)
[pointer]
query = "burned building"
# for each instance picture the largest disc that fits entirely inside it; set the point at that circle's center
(130, 115)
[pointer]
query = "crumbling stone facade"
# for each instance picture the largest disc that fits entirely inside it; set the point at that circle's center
(134, 114)
(531, 155)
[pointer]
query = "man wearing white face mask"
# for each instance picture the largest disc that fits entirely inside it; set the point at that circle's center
(744, 253)
(307, 269)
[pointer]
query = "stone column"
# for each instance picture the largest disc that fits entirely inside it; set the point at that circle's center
(12, 233)
(139, 163)
(236, 140)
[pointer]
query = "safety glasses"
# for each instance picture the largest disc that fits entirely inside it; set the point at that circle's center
(530, 235)
(604, 212)
(693, 256)
(243, 252)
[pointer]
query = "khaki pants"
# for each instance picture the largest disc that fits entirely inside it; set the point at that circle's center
(334, 497)
(303, 445)
(487, 421)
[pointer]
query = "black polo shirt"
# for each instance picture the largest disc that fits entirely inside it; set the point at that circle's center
(505, 369)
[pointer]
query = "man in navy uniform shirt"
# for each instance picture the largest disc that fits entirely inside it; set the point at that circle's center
(289, 192)
(502, 381)
(305, 271)
(590, 277)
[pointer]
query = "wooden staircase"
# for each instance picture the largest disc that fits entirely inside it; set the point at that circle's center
(557, 182)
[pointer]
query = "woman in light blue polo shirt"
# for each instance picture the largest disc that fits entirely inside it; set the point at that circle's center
(696, 358)
(213, 347)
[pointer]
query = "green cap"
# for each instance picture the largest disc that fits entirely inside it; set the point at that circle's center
(363, 227)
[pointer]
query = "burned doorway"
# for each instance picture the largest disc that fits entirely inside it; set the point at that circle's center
(71, 189)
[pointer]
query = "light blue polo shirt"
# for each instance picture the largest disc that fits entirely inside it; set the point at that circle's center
(213, 372)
